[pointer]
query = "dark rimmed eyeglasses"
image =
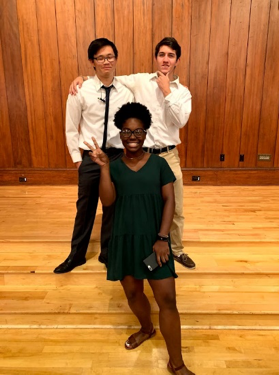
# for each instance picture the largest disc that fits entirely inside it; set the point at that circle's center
(102, 59)
(126, 133)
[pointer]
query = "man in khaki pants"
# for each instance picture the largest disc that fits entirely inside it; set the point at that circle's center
(170, 105)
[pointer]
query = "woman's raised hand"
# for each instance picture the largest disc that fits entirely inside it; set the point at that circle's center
(96, 154)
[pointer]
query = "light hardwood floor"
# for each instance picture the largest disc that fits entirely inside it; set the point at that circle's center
(77, 323)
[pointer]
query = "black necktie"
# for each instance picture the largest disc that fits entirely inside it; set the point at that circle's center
(106, 117)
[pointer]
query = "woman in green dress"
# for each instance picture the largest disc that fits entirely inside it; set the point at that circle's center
(141, 185)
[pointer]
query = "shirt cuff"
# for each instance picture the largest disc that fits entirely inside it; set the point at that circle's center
(76, 156)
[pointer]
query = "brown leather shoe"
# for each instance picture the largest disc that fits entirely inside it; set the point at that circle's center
(185, 260)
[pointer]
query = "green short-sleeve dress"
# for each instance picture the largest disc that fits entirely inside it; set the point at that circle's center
(137, 219)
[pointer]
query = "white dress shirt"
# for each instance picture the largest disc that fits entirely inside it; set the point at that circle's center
(169, 114)
(85, 115)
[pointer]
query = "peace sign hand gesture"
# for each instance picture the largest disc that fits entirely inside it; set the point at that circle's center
(97, 155)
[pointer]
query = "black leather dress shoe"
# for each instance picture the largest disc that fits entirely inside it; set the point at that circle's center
(103, 259)
(68, 265)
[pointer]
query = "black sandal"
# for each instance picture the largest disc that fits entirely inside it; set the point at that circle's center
(132, 342)
(173, 370)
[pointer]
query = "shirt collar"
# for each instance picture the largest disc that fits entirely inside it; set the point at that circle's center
(98, 84)
(175, 81)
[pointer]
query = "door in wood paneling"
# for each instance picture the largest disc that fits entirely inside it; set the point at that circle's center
(237, 54)
(218, 60)
(124, 36)
(12, 62)
(143, 48)
(53, 104)
(199, 55)
(254, 81)
(270, 104)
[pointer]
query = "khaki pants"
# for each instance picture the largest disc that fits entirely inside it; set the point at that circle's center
(176, 231)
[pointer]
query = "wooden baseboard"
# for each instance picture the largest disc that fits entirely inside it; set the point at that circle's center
(231, 177)
(212, 177)
(39, 176)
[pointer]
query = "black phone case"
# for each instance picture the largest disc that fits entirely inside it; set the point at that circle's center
(151, 262)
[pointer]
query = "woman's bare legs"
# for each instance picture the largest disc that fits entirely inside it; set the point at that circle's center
(165, 295)
(139, 304)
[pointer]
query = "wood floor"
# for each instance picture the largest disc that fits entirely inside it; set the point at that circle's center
(77, 323)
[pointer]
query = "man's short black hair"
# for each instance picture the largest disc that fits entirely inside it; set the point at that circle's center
(170, 42)
(133, 110)
(97, 44)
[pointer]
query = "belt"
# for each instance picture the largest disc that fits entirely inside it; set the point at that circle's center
(109, 151)
(158, 150)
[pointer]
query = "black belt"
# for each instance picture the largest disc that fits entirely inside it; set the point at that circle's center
(109, 151)
(158, 150)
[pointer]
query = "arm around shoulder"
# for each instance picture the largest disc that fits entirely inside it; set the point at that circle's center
(77, 82)
(130, 81)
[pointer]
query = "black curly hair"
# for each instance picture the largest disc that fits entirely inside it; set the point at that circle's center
(133, 110)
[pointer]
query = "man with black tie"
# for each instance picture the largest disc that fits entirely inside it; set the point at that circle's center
(90, 113)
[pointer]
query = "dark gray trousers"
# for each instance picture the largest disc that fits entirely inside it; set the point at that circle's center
(88, 195)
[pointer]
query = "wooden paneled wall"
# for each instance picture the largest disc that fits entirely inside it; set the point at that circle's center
(230, 54)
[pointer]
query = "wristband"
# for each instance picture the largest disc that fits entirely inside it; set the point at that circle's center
(161, 237)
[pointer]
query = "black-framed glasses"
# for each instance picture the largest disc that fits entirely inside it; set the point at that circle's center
(139, 133)
(101, 59)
